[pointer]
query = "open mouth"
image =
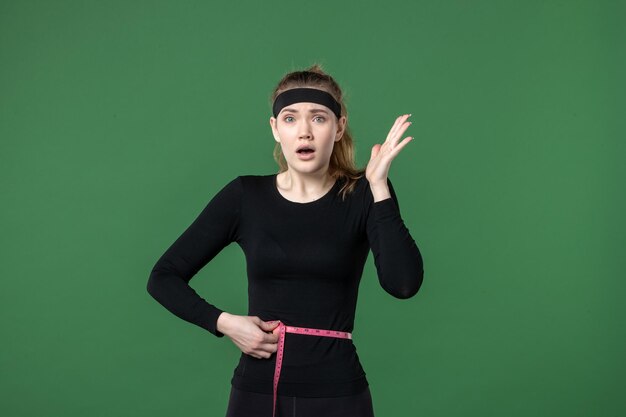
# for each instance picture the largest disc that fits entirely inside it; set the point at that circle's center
(305, 153)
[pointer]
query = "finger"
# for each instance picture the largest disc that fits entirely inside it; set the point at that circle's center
(402, 118)
(269, 348)
(393, 128)
(401, 145)
(374, 151)
(269, 325)
(400, 121)
(400, 131)
(270, 338)
(261, 353)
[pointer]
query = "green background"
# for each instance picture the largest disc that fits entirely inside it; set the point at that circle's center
(120, 120)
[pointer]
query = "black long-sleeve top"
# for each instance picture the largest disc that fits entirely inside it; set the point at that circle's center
(304, 265)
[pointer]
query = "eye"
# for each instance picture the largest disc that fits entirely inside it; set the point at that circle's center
(287, 117)
(321, 117)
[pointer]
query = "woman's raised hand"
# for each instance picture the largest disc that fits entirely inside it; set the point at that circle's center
(380, 160)
(250, 334)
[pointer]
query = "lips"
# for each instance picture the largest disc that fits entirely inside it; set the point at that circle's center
(306, 156)
(305, 149)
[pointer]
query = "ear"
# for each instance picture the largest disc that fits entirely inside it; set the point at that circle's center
(274, 129)
(341, 128)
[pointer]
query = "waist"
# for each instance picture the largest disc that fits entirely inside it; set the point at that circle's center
(325, 365)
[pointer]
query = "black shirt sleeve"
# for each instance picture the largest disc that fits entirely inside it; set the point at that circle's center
(397, 258)
(213, 229)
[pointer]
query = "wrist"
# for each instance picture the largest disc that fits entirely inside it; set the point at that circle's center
(380, 191)
(223, 321)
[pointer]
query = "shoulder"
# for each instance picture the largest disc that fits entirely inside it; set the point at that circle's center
(362, 182)
(353, 191)
(254, 180)
(253, 186)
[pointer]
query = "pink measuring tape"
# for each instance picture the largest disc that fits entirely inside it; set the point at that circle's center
(281, 345)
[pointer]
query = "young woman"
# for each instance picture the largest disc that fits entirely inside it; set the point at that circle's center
(306, 233)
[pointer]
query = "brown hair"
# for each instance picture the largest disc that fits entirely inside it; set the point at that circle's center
(341, 165)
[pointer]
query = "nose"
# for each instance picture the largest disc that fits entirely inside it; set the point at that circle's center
(304, 131)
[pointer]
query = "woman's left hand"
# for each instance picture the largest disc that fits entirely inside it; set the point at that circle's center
(380, 160)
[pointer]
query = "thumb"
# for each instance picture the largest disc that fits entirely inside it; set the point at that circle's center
(375, 150)
(269, 325)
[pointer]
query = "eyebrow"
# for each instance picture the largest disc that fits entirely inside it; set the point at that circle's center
(310, 111)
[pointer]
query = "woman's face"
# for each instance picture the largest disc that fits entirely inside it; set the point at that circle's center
(307, 124)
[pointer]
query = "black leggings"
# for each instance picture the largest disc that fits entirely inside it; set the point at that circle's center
(252, 404)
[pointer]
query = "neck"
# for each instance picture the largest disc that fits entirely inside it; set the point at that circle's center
(306, 183)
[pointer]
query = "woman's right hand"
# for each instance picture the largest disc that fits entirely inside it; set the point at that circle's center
(250, 334)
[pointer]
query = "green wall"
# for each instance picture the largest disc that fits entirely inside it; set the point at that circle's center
(120, 120)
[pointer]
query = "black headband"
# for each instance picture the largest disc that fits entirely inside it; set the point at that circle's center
(311, 95)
